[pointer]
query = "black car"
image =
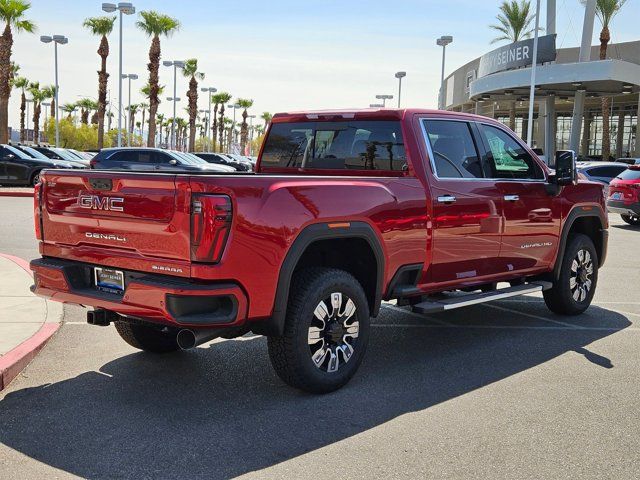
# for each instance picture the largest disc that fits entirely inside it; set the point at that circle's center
(33, 153)
(18, 168)
(153, 159)
(221, 159)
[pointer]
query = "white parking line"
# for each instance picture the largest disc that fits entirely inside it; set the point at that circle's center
(537, 317)
(504, 327)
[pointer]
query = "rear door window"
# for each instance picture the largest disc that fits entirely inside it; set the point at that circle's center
(454, 151)
(349, 145)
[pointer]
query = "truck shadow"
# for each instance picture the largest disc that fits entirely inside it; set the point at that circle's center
(221, 412)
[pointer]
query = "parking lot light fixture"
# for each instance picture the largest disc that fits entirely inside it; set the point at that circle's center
(384, 99)
(210, 91)
(175, 64)
(123, 8)
(57, 40)
(400, 76)
(443, 41)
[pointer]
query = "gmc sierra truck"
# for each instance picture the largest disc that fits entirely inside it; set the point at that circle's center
(437, 210)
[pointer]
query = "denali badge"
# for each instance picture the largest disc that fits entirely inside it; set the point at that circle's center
(97, 202)
(105, 236)
(536, 245)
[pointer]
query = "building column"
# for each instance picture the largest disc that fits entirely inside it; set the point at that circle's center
(477, 107)
(620, 133)
(576, 121)
(584, 146)
(550, 124)
(540, 135)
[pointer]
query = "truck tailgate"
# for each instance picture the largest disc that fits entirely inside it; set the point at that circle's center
(129, 220)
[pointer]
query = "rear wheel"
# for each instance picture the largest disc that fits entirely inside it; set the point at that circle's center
(149, 339)
(631, 219)
(572, 293)
(326, 331)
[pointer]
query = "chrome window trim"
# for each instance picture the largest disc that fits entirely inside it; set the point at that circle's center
(434, 172)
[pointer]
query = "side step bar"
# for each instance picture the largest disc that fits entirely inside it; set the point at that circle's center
(458, 301)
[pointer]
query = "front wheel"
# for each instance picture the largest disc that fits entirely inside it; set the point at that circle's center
(326, 331)
(631, 219)
(573, 291)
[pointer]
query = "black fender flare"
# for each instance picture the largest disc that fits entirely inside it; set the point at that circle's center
(310, 234)
(579, 212)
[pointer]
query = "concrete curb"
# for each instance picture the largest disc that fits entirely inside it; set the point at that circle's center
(15, 193)
(14, 361)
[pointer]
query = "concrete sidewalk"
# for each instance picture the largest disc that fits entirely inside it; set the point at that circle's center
(16, 191)
(26, 321)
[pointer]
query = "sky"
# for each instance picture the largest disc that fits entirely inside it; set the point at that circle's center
(285, 55)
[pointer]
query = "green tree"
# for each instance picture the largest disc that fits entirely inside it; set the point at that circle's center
(102, 27)
(245, 104)
(606, 10)
(224, 97)
(69, 108)
(12, 13)
(22, 84)
(155, 24)
(514, 21)
(86, 106)
(266, 116)
(190, 71)
(38, 95)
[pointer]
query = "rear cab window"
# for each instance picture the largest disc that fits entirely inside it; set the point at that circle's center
(355, 145)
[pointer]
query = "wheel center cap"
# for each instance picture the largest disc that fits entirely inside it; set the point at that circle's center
(335, 332)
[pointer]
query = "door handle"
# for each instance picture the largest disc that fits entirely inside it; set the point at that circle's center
(446, 199)
(511, 198)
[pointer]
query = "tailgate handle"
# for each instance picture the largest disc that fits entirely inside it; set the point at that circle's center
(101, 183)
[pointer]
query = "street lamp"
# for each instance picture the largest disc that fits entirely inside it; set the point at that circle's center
(27, 101)
(62, 40)
(210, 91)
(384, 99)
(129, 76)
(124, 8)
(443, 41)
(175, 64)
(400, 76)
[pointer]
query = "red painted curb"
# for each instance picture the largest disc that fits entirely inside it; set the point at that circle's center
(15, 360)
(15, 194)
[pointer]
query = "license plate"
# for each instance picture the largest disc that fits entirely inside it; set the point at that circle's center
(108, 280)
(616, 196)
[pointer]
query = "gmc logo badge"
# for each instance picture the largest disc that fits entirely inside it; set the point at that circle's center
(96, 202)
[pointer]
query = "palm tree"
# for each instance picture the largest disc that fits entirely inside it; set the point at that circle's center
(110, 118)
(86, 105)
(216, 99)
(38, 95)
(69, 108)
(22, 84)
(606, 10)
(155, 24)
(266, 116)
(95, 106)
(244, 103)
(133, 110)
(144, 107)
(12, 14)
(101, 26)
(224, 97)
(514, 20)
(190, 71)
(50, 93)
(160, 123)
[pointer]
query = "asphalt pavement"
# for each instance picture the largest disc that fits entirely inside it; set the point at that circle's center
(502, 390)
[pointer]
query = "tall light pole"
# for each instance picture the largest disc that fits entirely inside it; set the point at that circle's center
(443, 41)
(209, 91)
(206, 126)
(400, 76)
(251, 117)
(384, 99)
(124, 8)
(28, 102)
(233, 125)
(129, 76)
(62, 40)
(175, 64)
(532, 87)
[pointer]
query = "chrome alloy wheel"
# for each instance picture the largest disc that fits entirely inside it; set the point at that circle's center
(333, 332)
(581, 279)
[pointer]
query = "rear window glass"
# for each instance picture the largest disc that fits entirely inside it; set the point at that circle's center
(630, 174)
(349, 145)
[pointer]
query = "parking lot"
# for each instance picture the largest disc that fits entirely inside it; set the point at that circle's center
(502, 390)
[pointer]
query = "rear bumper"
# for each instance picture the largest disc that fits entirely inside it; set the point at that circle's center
(621, 208)
(163, 299)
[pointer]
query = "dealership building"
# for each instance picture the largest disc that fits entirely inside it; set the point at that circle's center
(569, 86)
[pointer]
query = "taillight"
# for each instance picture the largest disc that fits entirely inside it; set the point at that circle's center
(210, 225)
(37, 210)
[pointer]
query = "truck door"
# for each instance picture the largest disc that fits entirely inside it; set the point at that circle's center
(531, 215)
(467, 207)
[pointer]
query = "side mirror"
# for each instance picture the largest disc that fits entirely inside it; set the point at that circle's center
(566, 171)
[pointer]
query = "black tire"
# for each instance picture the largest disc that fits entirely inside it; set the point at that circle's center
(145, 338)
(572, 297)
(291, 354)
(35, 178)
(631, 220)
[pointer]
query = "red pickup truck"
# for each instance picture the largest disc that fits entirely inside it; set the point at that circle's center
(346, 209)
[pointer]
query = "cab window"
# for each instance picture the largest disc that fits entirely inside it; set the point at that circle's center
(454, 151)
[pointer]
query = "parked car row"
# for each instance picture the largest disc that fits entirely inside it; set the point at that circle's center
(146, 159)
(21, 164)
(239, 162)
